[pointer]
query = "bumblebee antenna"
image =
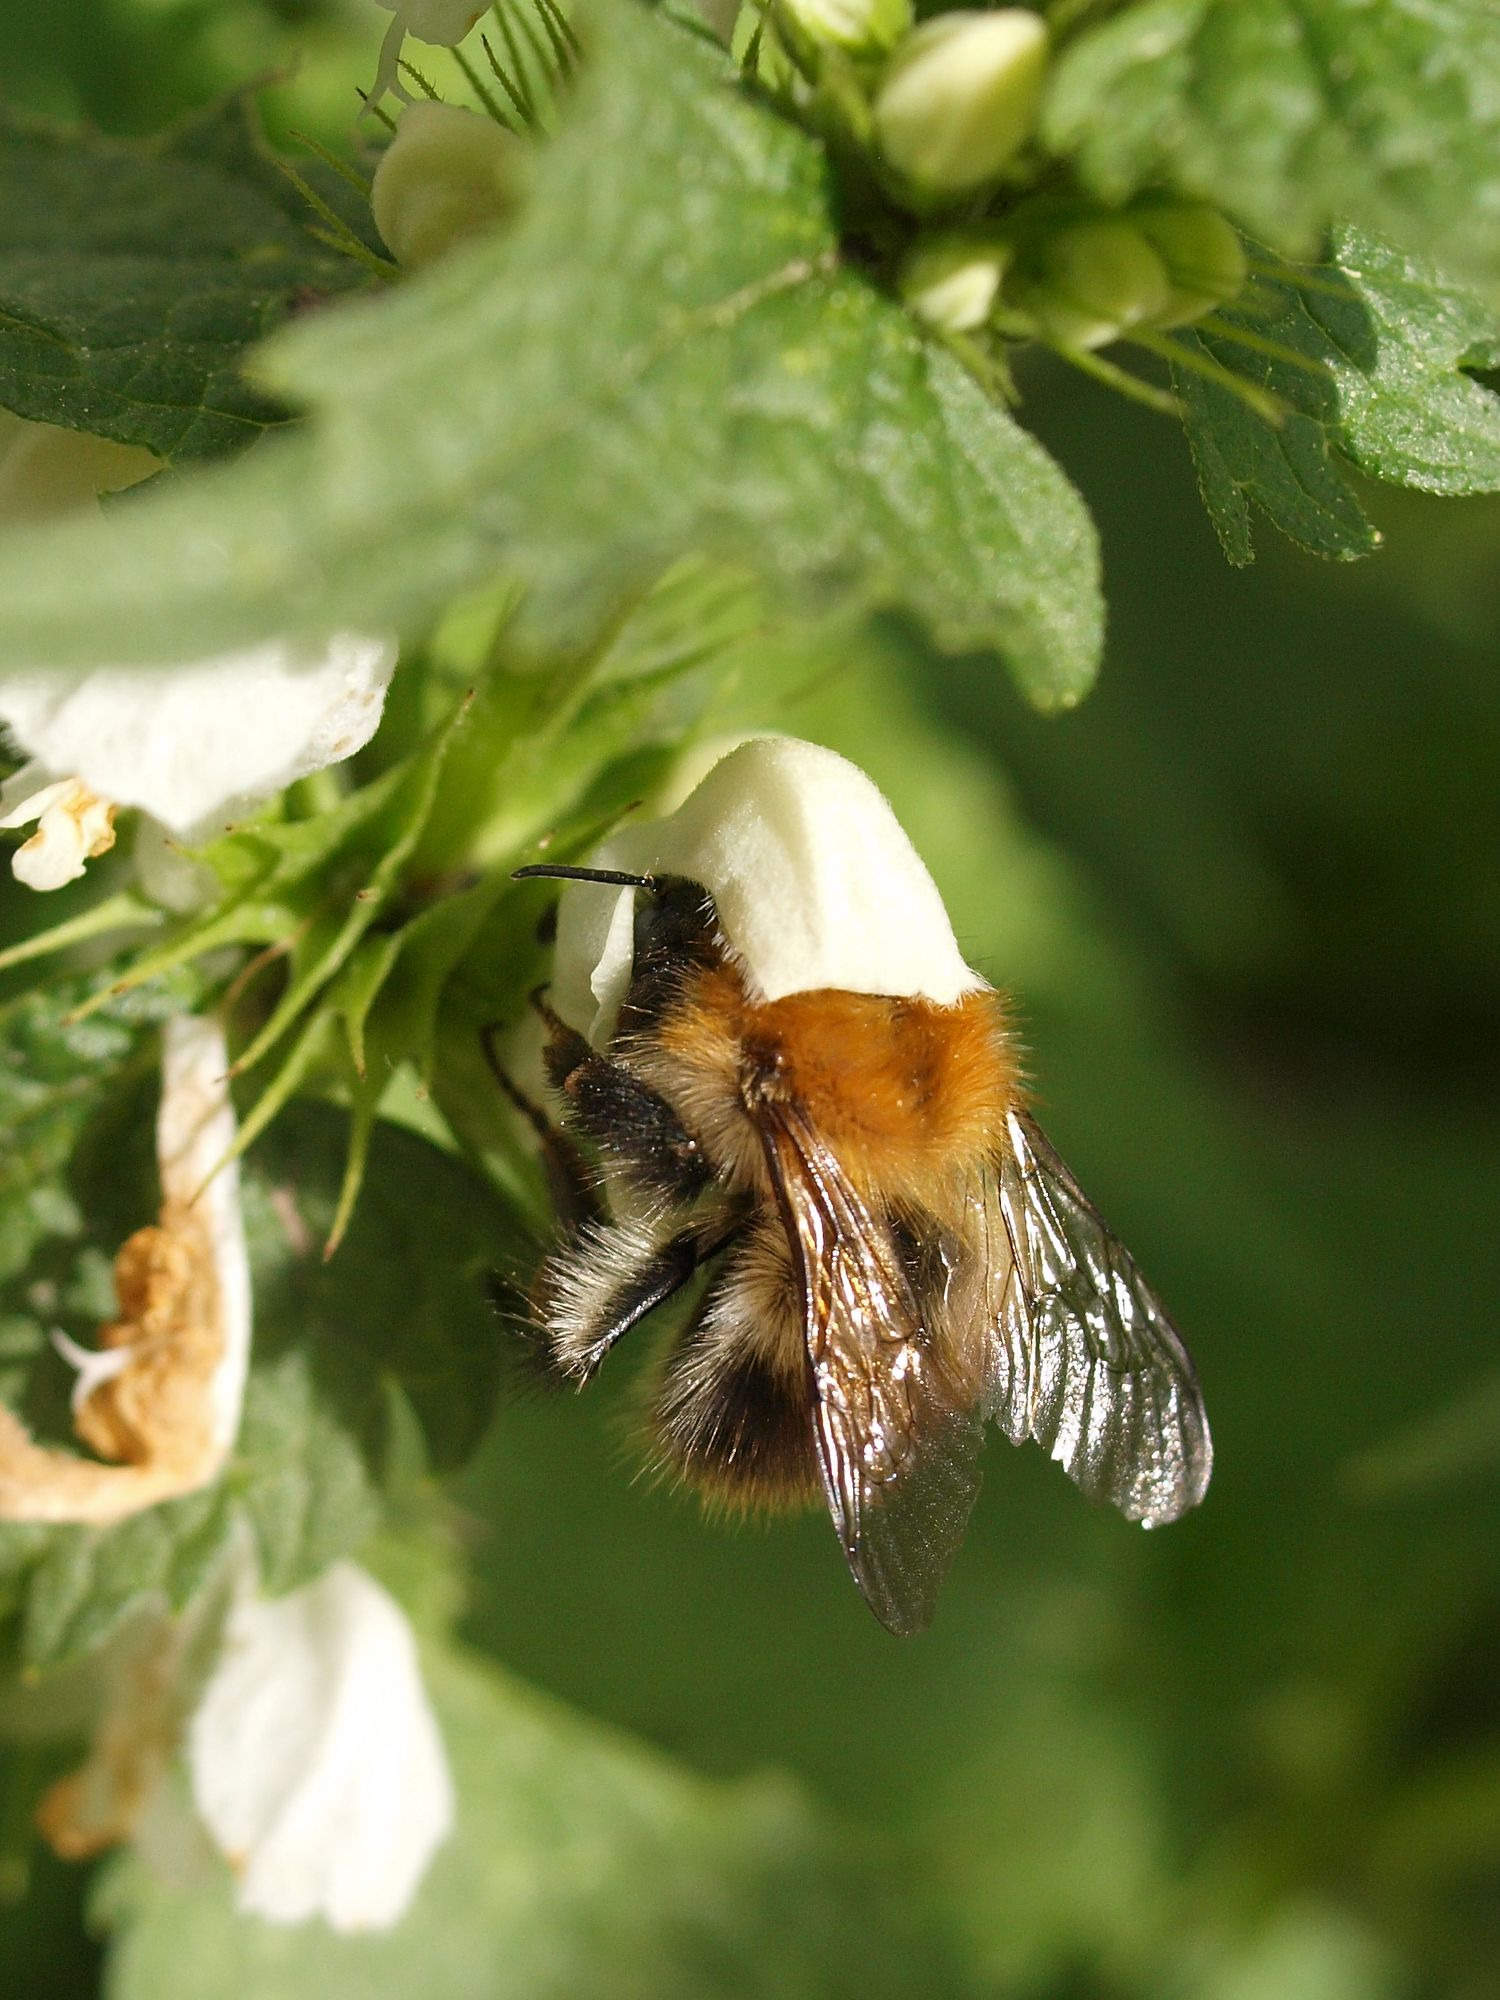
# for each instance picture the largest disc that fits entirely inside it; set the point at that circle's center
(612, 878)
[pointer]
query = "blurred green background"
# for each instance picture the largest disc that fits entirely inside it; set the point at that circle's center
(1248, 900)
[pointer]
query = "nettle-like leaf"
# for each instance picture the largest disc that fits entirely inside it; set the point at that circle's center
(134, 275)
(1368, 355)
(667, 354)
(401, 1310)
(1296, 114)
(50, 1066)
(581, 1864)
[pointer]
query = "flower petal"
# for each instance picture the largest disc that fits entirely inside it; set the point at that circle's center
(815, 883)
(315, 1760)
(193, 744)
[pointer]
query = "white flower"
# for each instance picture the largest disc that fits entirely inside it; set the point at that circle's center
(447, 174)
(315, 1760)
(73, 826)
(814, 880)
(161, 1395)
(440, 23)
(195, 743)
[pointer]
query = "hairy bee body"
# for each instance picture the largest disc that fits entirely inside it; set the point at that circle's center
(893, 1254)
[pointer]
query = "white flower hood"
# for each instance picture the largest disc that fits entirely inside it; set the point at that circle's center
(814, 880)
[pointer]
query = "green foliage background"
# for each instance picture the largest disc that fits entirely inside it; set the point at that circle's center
(1248, 902)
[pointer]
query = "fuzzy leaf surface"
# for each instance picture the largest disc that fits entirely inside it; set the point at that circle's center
(1374, 348)
(666, 354)
(133, 277)
(1295, 114)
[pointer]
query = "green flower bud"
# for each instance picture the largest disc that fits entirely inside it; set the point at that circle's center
(447, 174)
(951, 280)
(1088, 282)
(1203, 255)
(860, 28)
(958, 100)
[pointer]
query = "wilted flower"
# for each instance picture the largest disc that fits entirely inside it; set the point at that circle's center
(447, 174)
(315, 1760)
(161, 1395)
(814, 880)
(194, 744)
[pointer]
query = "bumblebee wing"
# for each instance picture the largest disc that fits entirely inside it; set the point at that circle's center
(1086, 1360)
(897, 1438)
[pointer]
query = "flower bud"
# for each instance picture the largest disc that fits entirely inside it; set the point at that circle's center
(1088, 282)
(951, 280)
(958, 100)
(447, 174)
(860, 28)
(1204, 258)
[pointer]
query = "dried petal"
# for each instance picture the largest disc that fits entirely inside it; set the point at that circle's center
(170, 1411)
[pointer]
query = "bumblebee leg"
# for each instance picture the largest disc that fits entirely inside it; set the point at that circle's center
(627, 1120)
(568, 1180)
(595, 1288)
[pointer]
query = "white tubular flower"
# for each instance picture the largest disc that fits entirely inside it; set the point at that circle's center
(447, 174)
(194, 744)
(959, 99)
(814, 880)
(161, 1395)
(315, 1760)
(440, 23)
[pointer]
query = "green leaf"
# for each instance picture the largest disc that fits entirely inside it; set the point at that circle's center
(1408, 412)
(1367, 353)
(133, 276)
(1295, 114)
(1288, 469)
(403, 1301)
(51, 1066)
(581, 1865)
(667, 354)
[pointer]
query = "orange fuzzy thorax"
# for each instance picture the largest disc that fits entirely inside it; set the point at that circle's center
(902, 1090)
